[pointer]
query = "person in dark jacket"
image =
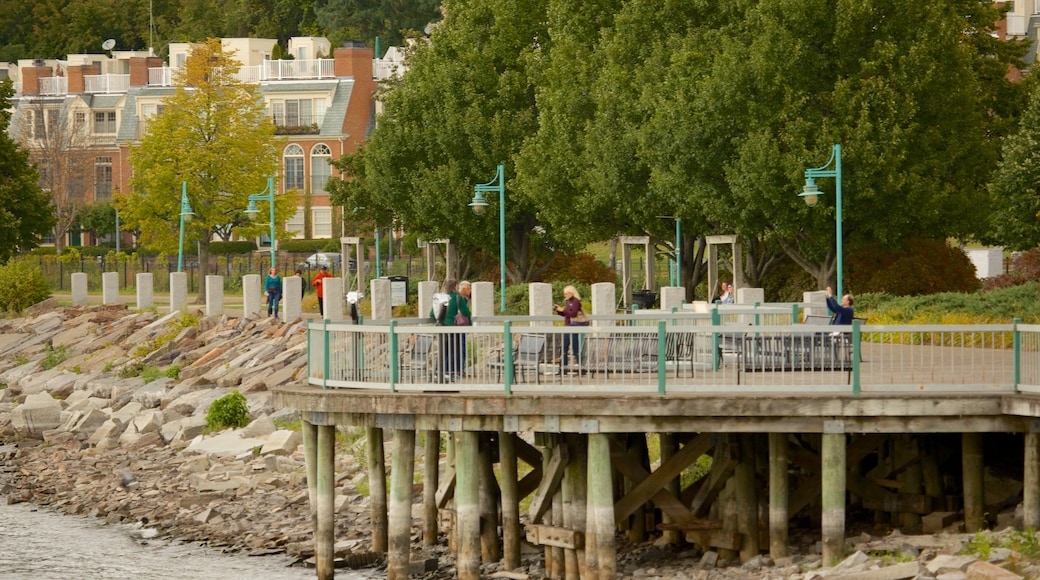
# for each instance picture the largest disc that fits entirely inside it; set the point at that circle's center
(454, 357)
(843, 312)
(570, 311)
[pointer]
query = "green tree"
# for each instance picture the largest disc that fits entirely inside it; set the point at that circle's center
(1016, 185)
(99, 219)
(214, 136)
(366, 19)
(26, 213)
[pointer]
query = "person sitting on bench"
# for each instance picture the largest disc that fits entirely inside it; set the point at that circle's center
(843, 313)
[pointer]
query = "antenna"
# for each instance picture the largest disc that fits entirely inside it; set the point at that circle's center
(108, 44)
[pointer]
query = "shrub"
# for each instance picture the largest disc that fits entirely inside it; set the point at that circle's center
(309, 246)
(226, 248)
(919, 267)
(583, 269)
(1022, 267)
(54, 357)
(229, 411)
(21, 285)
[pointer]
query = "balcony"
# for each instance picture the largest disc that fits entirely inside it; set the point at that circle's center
(54, 86)
(106, 84)
(271, 70)
(297, 124)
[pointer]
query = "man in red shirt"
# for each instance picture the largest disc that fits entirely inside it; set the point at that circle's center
(319, 287)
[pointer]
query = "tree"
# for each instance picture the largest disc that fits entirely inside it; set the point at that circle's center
(99, 219)
(25, 210)
(366, 19)
(1016, 185)
(214, 136)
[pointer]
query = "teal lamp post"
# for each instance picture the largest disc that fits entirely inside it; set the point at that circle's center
(479, 206)
(186, 215)
(811, 195)
(675, 272)
(268, 196)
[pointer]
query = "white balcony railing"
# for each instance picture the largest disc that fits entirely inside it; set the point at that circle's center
(271, 70)
(160, 76)
(106, 84)
(54, 86)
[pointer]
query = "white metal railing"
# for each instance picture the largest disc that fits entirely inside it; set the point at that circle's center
(106, 84)
(384, 69)
(160, 76)
(682, 354)
(54, 86)
(270, 70)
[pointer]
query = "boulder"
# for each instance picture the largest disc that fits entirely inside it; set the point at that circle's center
(282, 442)
(40, 412)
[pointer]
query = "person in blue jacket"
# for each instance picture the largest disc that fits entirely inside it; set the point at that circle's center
(273, 287)
(843, 313)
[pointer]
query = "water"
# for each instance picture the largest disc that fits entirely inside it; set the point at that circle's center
(39, 544)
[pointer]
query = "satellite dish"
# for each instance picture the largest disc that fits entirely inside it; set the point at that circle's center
(108, 44)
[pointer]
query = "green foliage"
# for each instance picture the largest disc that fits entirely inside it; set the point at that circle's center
(99, 219)
(997, 306)
(346, 20)
(227, 248)
(26, 209)
(583, 268)
(54, 357)
(309, 246)
(21, 285)
(131, 369)
(229, 411)
(919, 267)
(980, 546)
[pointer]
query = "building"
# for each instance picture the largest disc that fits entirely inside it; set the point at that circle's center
(79, 117)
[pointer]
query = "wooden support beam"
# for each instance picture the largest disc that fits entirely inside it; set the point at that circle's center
(747, 497)
(325, 532)
(431, 467)
(1031, 482)
(310, 453)
(446, 491)
(529, 483)
(542, 501)
(527, 453)
(668, 448)
(639, 452)
(575, 508)
(467, 505)
(834, 469)
(721, 469)
(876, 497)
(376, 487)
(602, 566)
(972, 468)
(400, 534)
(489, 497)
(542, 535)
(778, 492)
(510, 500)
(810, 489)
(627, 505)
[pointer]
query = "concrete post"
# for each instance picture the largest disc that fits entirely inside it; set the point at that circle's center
(379, 295)
(110, 288)
(750, 296)
(604, 301)
(292, 298)
(817, 300)
(332, 289)
(672, 297)
(145, 290)
(178, 292)
(540, 300)
(482, 302)
(427, 289)
(254, 296)
(214, 295)
(79, 289)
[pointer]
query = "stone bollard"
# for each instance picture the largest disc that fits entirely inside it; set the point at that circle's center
(540, 301)
(333, 291)
(482, 303)
(145, 291)
(79, 289)
(380, 299)
(292, 298)
(817, 300)
(254, 296)
(426, 291)
(672, 297)
(110, 288)
(604, 301)
(214, 295)
(178, 292)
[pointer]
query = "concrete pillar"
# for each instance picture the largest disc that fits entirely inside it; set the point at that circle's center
(817, 300)
(1031, 483)
(467, 505)
(254, 296)
(833, 494)
(332, 290)
(379, 295)
(604, 301)
(750, 296)
(145, 290)
(292, 298)
(427, 289)
(398, 563)
(972, 466)
(110, 288)
(672, 297)
(778, 498)
(79, 289)
(540, 300)
(214, 295)
(482, 302)
(178, 292)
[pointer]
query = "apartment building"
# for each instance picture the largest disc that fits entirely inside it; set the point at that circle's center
(98, 106)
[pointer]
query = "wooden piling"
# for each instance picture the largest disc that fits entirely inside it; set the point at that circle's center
(467, 505)
(668, 447)
(747, 498)
(510, 501)
(601, 508)
(574, 505)
(401, 475)
(1031, 482)
(325, 531)
(640, 452)
(972, 466)
(431, 477)
(833, 468)
(310, 454)
(488, 500)
(778, 495)
(377, 487)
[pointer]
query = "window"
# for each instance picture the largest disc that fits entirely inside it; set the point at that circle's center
(322, 222)
(147, 112)
(295, 224)
(298, 112)
(104, 122)
(52, 121)
(320, 168)
(79, 122)
(39, 130)
(103, 179)
(293, 168)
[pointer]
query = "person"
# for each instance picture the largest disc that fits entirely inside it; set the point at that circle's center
(454, 357)
(727, 293)
(843, 312)
(273, 287)
(465, 294)
(571, 310)
(303, 283)
(318, 287)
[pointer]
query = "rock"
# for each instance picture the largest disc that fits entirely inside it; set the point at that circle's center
(986, 571)
(260, 427)
(281, 443)
(150, 395)
(40, 412)
(227, 443)
(944, 563)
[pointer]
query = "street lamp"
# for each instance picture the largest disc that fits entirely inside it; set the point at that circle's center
(479, 206)
(678, 249)
(252, 211)
(811, 195)
(186, 215)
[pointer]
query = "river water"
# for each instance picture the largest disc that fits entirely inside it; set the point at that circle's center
(36, 543)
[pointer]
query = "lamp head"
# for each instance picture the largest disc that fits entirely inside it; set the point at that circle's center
(810, 193)
(252, 211)
(478, 205)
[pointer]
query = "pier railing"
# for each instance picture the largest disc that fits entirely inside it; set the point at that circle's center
(674, 354)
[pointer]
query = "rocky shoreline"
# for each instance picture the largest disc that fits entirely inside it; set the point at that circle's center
(90, 425)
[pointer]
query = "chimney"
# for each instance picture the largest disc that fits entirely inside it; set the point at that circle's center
(77, 84)
(353, 59)
(31, 78)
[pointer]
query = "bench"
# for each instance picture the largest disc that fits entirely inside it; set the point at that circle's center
(628, 353)
(528, 354)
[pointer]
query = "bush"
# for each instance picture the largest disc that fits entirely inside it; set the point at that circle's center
(309, 246)
(1022, 267)
(920, 267)
(229, 411)
(226, 248)
(21, 285)
(583, 269)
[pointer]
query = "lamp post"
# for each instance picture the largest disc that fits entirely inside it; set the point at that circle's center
(186, 215)
(678, 250)
(479, 206)
(268, 196)
(811, 195)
